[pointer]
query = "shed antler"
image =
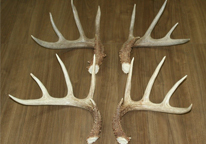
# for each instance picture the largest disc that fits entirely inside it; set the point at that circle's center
(83, 41)
(127, 104)
(69, 100)
(146, 40)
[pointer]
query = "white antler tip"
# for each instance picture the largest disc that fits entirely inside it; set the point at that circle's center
(99, 8)
(31, 74)
(10, 96)
(183, 78)
(57, 56)
(34, 38)
(50, 14)
(190, 107)
(163, 59)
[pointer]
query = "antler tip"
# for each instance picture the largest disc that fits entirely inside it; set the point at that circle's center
(16, 99)
(185, 76)
(57, 55)
(10, 96)
(190, 107)
(186, 110)
(163, 59)
(35, 39)
(187, 39)
(99, 8)
(50, 14)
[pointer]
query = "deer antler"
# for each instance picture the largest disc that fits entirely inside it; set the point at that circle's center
(69, 100)
(83, 41)
(146, 40)
(127, 104)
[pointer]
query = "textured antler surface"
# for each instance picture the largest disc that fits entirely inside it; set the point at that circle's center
(146, 40)
(83, 41)
(69, 100)
(127, 104)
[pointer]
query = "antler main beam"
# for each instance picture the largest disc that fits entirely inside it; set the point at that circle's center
(69, 100)
(83, 41)
(146, 40)
(127, 104)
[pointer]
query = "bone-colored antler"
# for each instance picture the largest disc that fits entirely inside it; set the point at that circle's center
(127, 104)
(69, 100)
(83, 41)
(146, 40)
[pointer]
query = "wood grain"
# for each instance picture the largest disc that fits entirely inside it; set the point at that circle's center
(20, 55)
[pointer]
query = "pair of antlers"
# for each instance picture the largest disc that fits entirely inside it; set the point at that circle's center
(126, 104)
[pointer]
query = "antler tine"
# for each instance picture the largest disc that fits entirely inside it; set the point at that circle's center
(127, 97)
(156, 19)
(152, 80)
(172, 90)
(67, 79)
(166, 104)
(93, 80)
(144, 103)
(97, 22)
(131, 28)
(78, 23)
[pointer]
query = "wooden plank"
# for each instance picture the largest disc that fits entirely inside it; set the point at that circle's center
(20, 56)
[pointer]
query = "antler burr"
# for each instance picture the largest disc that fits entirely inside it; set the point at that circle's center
(127, 104)
(146, 40)
(70, 100)
(83, 41)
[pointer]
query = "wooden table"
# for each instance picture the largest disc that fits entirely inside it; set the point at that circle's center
(20, 56)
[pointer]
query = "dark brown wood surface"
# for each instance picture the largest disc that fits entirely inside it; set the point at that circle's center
(20, 56)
